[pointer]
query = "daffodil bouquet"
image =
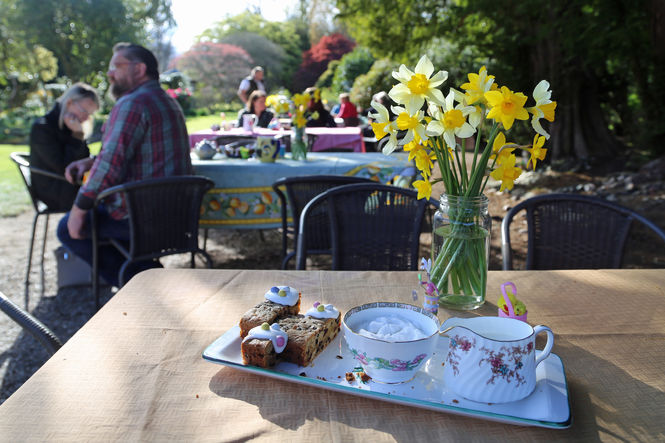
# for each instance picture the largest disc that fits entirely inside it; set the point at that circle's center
(299, 119)
(432, 128)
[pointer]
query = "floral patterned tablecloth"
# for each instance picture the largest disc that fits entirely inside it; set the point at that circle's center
(243, 196)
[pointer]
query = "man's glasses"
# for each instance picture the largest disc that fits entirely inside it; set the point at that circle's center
(114, 66)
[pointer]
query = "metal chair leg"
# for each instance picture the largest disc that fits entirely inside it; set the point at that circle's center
(43, 252)
(27, 271)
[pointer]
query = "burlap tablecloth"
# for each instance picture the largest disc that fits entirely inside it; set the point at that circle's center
(135, 372)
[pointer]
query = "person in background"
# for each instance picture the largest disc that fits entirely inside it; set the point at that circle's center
(256, 105)
(251, 83)
(346, 109)
(57, 139)
(144, 137)
(318, 114)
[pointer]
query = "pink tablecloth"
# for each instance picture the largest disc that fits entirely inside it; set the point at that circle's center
(322, 138)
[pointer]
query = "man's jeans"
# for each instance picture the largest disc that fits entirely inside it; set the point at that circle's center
(110, 259)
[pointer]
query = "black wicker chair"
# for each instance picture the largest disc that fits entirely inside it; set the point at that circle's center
(22, 160)
(568, 231)
(163, 220)
(30, 324)
(371, 227)
(299, 191)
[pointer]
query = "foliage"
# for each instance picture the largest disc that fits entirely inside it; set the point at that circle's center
(80, 36)
(611, 96)
(316, 59)
(264, 52)
(290, 36)
(216, 70)
(326, 79)
(377, 79)
(351, 65)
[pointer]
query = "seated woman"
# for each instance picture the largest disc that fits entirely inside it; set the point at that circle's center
(256, 104)
(346, 109)
(57, 139)
(319, 117)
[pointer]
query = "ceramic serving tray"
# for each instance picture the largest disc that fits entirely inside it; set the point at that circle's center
(548, 406)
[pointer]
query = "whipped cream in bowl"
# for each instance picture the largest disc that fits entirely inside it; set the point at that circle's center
(391, 340)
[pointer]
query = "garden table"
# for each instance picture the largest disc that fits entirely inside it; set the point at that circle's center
(134, 372)
(243, 196)
(321, 139)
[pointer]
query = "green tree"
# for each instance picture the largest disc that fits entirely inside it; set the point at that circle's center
(216, 70)
(351, 65)
(81, 34)
(378, 78)
(603, 59)
(289, 36)
(265, 53)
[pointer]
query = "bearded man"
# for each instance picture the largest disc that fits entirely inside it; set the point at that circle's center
(144, 137)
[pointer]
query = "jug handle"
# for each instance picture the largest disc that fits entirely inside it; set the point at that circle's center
(548, 346)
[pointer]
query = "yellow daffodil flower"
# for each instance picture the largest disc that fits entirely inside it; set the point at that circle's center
(544, 107)
(301, 100)
(506, 106)
(415, 87)
(537, 152)
(450, 121)
(501, 149)
(506, 173)
(299, 121)
(382, 125)
(424, 188)
(478, 85)
(412, 123)
(423, 159)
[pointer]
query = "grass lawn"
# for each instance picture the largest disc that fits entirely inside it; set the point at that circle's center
(15, 198)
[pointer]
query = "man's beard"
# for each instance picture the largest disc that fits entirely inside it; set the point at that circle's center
(118, 90)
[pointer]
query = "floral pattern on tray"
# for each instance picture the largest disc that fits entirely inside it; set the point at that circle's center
(392, 365)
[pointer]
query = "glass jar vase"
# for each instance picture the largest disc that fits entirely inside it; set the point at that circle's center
(460, 251)
(299, 147)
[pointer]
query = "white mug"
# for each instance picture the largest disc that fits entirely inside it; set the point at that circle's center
(492, 359)
(248, 122)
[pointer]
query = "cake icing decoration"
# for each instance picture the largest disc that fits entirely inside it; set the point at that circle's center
(323, 311)
(283, 295)
(269, 332)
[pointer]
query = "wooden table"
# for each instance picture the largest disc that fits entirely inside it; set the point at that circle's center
(134, 372)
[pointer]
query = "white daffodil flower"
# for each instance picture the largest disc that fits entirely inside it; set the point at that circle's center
(544, 107)
(416, 87)
(450, 121)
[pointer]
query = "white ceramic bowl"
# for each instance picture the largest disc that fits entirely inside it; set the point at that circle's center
(389, 361)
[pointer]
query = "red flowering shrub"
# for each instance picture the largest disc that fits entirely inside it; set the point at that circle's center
(315, 60)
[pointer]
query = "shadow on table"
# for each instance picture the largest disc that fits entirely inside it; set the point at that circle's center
(612, 410)
(65, 314)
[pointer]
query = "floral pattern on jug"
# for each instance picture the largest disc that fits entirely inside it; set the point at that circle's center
(461, 343)
(500, 363)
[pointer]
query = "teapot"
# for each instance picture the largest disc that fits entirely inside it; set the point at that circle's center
(492, 359)
(205, 149)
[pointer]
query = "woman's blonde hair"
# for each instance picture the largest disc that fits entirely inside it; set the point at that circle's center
(75, 93)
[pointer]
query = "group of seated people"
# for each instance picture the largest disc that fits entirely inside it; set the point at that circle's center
(318, 114)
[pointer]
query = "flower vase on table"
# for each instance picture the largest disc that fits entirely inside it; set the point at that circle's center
(460, 251)
(483, 113)
(299, 147)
